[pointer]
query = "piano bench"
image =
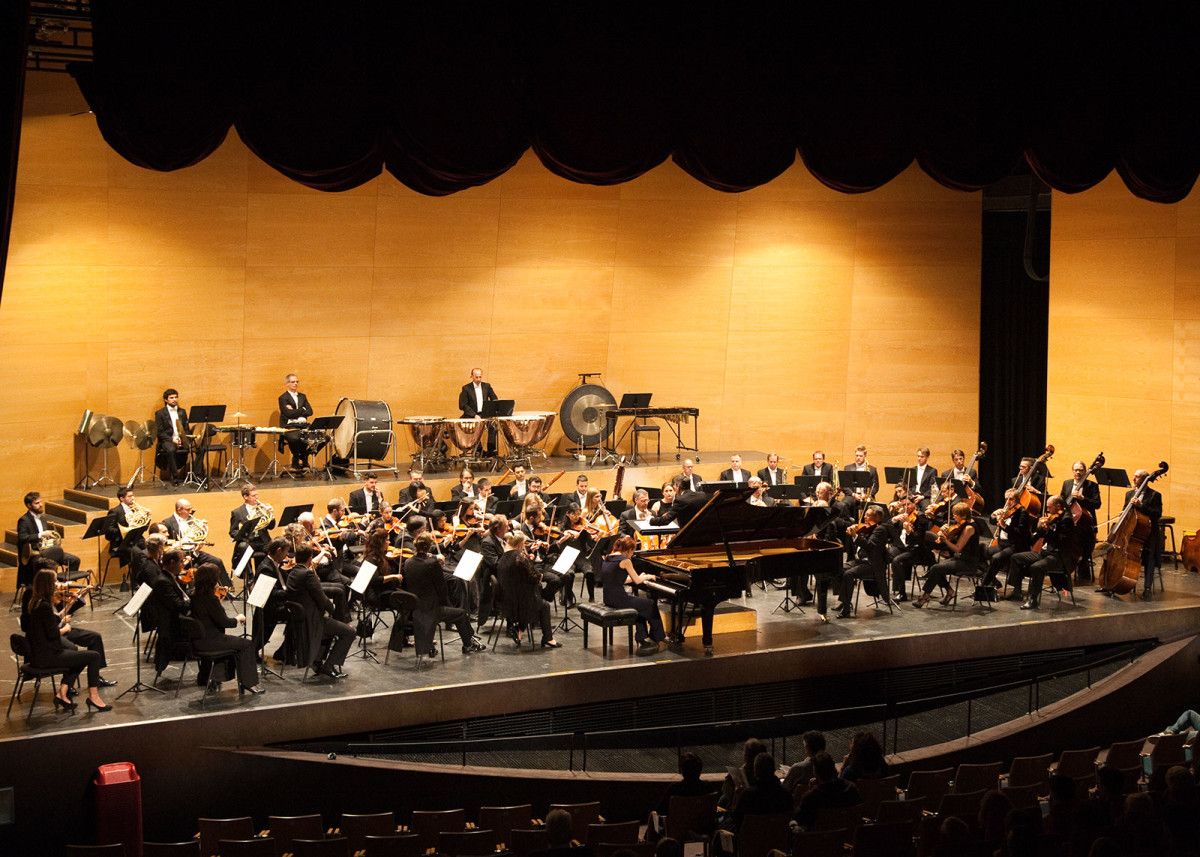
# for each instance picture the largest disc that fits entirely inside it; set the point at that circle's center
(607, 618)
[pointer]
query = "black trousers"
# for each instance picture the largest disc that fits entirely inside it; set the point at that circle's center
(63, 558)
(999, 558)
(940, 573)
(74, 662)
(343, 638)
(172, 460)
(89, 640)
(863, 571)
(1036, 566)
(247, 671)
(903, 561)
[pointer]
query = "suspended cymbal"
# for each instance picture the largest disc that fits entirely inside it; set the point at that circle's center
(140, 434)
(105, 432)
(236, 416)
(582, 414)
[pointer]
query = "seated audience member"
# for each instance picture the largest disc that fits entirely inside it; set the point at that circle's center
(831, 792)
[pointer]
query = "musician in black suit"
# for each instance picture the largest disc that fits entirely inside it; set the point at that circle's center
(639, 511)
(171, 428)
(1150, 505)
(277, 563)
(735, 472)
(491, 546)
(471, 399)
(367, 500)
(1032, 471)
(465, 489)
(908, 547)
(168, 602)
(861, 465)
(425, 577)
(921, 478)
(118, 517)
(177, 525)
(416, 480)
(959, 470)
(1055, 528)
(819, 467)
(1012, 537)
(772, 474)
(294, 411)
(689, 478)
(305, 589)
(870, 562)
(30, 527)
(260, 536)
(1081, 492)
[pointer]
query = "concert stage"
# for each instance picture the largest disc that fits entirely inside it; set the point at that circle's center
(170, 738)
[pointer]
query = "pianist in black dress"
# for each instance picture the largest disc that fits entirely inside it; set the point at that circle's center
(615, 571)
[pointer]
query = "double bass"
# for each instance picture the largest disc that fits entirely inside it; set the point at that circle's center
(1122, 550)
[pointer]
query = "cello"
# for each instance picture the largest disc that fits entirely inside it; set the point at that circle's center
(1023, 496)
(1122, 550)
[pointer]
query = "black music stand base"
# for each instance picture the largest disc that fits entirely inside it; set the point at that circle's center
(567, 625)
(788, 604)
(138, 685)
(364, 649)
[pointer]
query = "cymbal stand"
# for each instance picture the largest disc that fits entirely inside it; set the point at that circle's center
(104, 477)
(272, 471)
(239, 472)
(192, 477)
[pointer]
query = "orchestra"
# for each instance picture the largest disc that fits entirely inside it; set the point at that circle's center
(936, 531)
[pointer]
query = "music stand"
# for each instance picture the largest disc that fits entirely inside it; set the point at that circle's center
(127, 543)
(808, 483)
(896, 475)
(501, 492)
(292, 513)
(94, 531)
(788, 492)
(855, 479)
(137, 602)
(1112, 477)
(653, 493)
(635, 400)
(509, 508)
(497, 408)
(328, 425)
(206, 415)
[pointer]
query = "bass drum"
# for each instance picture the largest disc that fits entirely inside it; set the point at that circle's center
(370, 423)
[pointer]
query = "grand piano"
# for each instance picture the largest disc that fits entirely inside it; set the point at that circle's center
(728, 545)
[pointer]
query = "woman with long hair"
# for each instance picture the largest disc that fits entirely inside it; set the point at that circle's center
(48, 651)
(617, 570)
(208, 610)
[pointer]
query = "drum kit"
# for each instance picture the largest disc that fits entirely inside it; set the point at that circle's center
(434, 436)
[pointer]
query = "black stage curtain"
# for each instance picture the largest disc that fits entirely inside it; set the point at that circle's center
(1013, 330)
(14, 37)
(448, 96)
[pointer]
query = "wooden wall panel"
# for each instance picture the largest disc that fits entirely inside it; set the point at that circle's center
(781, 313)
(1125, 338)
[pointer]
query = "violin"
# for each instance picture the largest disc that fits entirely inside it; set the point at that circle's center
(66, 596)
(855, 529)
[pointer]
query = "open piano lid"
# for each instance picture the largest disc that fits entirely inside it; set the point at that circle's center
(727, 516)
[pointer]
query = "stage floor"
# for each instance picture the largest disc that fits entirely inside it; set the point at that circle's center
(378, 696)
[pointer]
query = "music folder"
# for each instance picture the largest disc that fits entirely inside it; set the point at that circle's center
(468, 563)
(139, 598)
(261, 591)
(292, 513)
(498, 408)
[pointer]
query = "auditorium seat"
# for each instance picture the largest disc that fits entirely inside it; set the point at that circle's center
(190, 848)
(1028, 771)
(428, 824)
(582, 814)
(1022, 797)
(395, 845)
(931, 785)
(525, 841)
(1076, 763)
(977, 777)
(891, 811)
(846, 818)
(964, 805)
(819, 843)
(503, 819)
(619, 832)
(466, 843)
(759, 834)
(894, 839)
(691, 818)
(610, 849)
(115, 850)
(212, 830)
(876, 791)
(1122, 755)
(335, 846)
(285, 829)
(356, 827)
(264, 847)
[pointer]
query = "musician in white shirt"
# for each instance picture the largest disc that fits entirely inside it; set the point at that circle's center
(735, 473)
(772, 474)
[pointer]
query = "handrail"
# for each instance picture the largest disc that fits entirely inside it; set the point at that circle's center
(714, 732)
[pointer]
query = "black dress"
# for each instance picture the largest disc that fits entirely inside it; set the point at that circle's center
(523, 604)
(612, 578)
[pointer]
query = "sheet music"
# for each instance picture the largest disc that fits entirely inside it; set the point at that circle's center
(261, 591)
(138, 599)
(363, 579)
(467, 565)
(243, 562)
(646, 525)
(566, 559)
